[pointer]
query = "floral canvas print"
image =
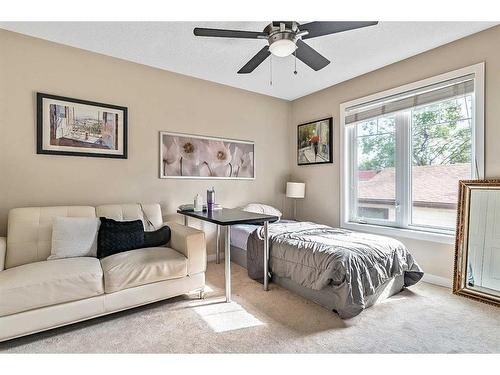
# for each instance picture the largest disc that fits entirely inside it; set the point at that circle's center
(192, 156)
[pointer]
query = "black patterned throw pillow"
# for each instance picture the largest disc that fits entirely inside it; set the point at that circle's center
(119, 236)
(159, 237)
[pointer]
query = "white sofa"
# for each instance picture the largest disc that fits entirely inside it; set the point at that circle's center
(38, 294)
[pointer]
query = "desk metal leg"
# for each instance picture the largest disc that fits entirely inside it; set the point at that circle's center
(185, 220)
(217, 246)
(266, 256)
(227, 263)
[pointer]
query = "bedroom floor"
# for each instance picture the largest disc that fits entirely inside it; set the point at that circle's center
(424, 319)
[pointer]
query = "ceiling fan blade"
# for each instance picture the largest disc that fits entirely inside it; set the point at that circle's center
(320, 28)
(255, 61)
(310, 56)
(220, 33)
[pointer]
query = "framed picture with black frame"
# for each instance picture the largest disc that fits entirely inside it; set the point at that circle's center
(315, 142)
(75, 127)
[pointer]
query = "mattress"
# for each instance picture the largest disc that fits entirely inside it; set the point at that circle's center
(241, 232)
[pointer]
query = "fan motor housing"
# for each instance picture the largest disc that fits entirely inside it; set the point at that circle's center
(279, 35)
(279, 31)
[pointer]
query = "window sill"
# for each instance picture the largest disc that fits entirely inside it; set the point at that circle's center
(448, 239)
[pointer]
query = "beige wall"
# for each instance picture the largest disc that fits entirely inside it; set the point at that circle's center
(159, 100)
(156, 100)
(322, 202)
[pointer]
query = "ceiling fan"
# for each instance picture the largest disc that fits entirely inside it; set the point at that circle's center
(286, 38)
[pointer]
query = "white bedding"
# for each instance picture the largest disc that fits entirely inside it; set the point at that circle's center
(240, 234)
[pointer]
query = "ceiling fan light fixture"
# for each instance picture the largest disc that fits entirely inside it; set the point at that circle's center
(282, 47)
(285, 38)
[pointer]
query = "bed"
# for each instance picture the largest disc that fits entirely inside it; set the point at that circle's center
(341, 270)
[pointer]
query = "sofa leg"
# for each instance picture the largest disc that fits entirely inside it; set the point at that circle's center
(202, 294)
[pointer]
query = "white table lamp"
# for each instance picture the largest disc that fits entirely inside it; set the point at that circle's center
(295, 190)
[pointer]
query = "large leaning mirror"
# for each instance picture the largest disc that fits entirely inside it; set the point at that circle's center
(477, 253)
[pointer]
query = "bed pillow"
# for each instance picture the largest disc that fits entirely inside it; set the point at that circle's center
(74, 237)
(119, 236)
(259, 208)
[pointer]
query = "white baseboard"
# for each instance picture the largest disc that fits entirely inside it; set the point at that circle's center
(437, 280)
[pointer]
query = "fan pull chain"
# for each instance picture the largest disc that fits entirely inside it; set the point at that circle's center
(295, 53)
(271, 70)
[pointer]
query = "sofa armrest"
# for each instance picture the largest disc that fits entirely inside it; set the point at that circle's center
(191, 243)
(3, 252)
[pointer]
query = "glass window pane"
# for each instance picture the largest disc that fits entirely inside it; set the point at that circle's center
(376, 146)
(441, 156)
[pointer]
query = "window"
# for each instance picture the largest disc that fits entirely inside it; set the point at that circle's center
(376, 154)
(406, 149)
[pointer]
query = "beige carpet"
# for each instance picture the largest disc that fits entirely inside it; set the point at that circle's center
(425, 318)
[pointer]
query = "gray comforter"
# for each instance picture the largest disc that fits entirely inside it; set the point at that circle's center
(316, 256)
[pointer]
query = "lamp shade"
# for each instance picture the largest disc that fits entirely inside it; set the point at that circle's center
(295, 189)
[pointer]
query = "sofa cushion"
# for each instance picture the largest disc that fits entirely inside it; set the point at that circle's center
(150, 214)
(142, 266)
(51, 282)
(29, 232)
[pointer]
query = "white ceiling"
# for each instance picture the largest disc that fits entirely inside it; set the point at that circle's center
(172, 46)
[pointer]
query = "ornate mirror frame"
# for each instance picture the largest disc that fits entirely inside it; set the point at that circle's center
(462, 241)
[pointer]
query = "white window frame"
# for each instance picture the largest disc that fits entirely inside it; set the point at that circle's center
(348, 157)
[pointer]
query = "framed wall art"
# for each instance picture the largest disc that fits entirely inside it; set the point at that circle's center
(68, 126)
(195, 156)
(315, 142)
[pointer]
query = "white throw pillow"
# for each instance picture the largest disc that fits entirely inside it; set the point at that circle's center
(259, 208)
(74, 237)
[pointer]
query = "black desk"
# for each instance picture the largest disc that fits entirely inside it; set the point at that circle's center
(227, 217)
